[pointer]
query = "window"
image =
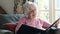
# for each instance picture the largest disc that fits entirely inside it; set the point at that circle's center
(43, 9)
(57, 9)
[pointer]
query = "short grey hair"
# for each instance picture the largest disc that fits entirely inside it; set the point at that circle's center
(26, 7)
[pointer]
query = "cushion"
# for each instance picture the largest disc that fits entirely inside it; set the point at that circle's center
(10, 26)
(8, 18)
(6, 32)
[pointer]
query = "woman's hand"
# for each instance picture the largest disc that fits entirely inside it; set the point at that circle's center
(41, 28)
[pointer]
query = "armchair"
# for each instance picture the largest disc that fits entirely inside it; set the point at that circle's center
(8, 22)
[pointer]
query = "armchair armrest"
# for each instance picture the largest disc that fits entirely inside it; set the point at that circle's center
(10, 26)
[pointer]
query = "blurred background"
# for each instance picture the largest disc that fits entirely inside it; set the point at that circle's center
(48, 10)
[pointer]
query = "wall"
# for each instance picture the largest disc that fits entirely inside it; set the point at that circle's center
(8, 6)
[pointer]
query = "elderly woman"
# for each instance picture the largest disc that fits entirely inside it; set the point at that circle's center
(30, 19)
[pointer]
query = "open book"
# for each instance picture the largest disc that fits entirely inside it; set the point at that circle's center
(53, 23)
(24, 29)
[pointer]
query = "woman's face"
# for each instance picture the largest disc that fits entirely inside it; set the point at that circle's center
(32, 13)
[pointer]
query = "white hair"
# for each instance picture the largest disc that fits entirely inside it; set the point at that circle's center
(26, 7)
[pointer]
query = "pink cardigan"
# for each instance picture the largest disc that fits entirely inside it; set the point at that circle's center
(37, 23)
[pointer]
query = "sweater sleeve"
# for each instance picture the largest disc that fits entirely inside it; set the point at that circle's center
(20, 22)
(46, 24)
